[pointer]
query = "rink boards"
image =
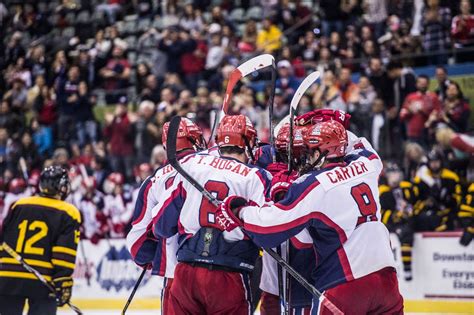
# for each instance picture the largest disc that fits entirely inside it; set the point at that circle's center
(443, 276)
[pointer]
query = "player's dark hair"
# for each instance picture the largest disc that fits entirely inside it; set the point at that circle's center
(231, 150)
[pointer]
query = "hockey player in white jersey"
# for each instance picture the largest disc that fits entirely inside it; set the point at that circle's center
(212, 260)
(147, 250)
(338, 202)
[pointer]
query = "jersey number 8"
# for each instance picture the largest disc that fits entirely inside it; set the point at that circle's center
(207, 217)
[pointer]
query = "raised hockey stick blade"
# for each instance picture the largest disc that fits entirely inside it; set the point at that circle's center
(135, 288)
(37, 274)
(255, 64)
(304, 86)
(172, 158)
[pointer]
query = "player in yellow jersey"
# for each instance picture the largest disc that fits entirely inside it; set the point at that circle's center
(44, 230)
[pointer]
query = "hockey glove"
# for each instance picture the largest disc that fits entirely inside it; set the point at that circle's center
(467, 236)
(320, 115)
(63, 288)
(281, 182)
(276, 167)
(227, 214)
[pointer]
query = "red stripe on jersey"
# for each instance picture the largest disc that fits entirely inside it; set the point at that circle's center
(300, 197)
(297, 222)
(298, 244)
(162, 271)
(145, 203)
(346, 267)
(373, 157)
(168, 201)
(139, 242)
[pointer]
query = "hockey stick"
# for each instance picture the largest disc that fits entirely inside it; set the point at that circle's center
(135, 288)
(88, 183)
(172, 158)
(270, 102)
(304, 86)
(255, 64)
(38, 275)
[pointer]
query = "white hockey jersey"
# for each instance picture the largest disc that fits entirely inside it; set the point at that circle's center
(339, 205)
(182, 208)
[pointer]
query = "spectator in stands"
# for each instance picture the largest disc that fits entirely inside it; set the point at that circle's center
(248, 43)
(150, 90)
(375, 14)
(191, 20)
(35, 90)
(119, 133)
(86, 126)
(378, 78)
(360, 103)
(193, 63)
(403, 83)
(45, 106)
(215, 54)
(269, 37)
(345, 84)
(328, 94)
(281, 107)
(416, 110)
(9, 120)
(17, 96)
(286, 82)
(36, 61)
(378, 127)
(28, 150)
(455, 112)
(116, 73)
(308, 47)
(42, 137)
(58, 67)
(174, 44)
(146, 131)
(67, 97)
(436, 22)
(86, 66)
(143, 70)
(14, 49)
(332, 16)
(462, 31)
(443, 82)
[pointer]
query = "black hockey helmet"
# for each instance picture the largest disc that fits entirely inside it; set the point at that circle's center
(435, 160)
(54, 181)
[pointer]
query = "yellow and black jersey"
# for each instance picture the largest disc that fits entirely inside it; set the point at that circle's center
(466, 210)
(446, 189)
(45, 232)
(396, 204)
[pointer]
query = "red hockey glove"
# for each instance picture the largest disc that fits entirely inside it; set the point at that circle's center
(320, 115)
(276, 167)
(281, 182)
(227, 214)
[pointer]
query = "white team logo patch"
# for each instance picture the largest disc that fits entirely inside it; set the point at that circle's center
(301, 179)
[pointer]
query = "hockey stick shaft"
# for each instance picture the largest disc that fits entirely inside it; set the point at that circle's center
(270, 103)
(172, 158)
(135, 288)
(37, 274)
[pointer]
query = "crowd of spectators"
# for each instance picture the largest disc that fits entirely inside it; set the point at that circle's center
(147, 60)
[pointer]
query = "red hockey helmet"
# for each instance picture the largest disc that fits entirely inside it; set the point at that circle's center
(236, 131)
(328, 136)
(17, 185)
(189, 135)
(283, 137)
